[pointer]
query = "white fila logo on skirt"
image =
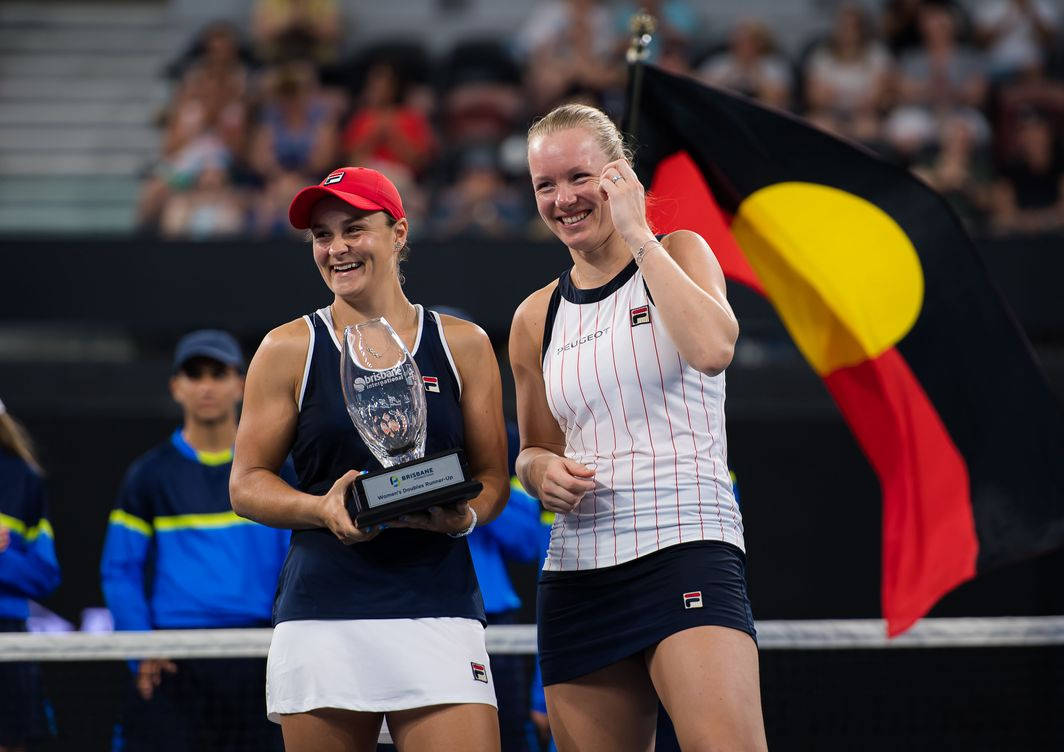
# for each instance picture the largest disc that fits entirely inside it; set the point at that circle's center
(432, 384)
(480, 673)
(692, 600)
(336, 177)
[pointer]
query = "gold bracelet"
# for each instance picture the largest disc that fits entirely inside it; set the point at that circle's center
(643, 249)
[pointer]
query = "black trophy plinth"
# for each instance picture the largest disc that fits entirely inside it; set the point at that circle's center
(435, 480)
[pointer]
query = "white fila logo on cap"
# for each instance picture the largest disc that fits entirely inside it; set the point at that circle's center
(432, 384)
(693, 599)
(480, 673)
(336, 177)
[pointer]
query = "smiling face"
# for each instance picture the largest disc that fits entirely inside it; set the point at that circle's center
(355, 249)
(565, 167)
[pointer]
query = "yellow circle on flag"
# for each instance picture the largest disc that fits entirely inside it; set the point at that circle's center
(844, 277)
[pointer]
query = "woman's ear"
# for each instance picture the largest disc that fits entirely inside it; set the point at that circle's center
(399, 233)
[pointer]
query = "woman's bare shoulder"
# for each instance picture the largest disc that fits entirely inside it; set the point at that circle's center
(531, 314)
(284, 345)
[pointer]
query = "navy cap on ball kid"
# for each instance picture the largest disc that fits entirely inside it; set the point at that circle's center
(209, 343)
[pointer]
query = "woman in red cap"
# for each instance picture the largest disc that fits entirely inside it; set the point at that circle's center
(384, 622)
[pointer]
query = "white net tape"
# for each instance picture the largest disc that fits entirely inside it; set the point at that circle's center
(521, 639)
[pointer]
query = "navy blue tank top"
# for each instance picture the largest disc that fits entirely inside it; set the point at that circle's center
(401, 573)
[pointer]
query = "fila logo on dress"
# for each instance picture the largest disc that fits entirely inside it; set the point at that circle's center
(693, 599)
(480, 673)
(432, 384)
(336, 177)
(640, 315)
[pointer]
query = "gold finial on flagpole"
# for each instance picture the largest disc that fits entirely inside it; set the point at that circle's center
(642, 25)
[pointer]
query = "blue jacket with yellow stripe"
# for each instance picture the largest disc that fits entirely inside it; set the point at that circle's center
(209, 567)
(28, 567)
(514, 535)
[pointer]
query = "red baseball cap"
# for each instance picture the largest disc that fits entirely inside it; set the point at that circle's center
(360, 187)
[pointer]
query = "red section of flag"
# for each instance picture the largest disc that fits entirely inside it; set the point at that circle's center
(929, 540)
(680, 200)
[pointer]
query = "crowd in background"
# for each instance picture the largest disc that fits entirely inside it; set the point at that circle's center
(970, 97)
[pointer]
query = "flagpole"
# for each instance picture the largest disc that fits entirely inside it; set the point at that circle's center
(642, 25)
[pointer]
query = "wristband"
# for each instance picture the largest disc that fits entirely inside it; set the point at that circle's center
(469, 529)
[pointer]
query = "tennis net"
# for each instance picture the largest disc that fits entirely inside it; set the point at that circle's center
(965, 684)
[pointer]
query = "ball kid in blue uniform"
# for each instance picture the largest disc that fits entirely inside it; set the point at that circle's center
(177, 557)
(28, 571)
(382, 622)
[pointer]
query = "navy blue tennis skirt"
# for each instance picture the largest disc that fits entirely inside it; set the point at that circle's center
(590, 619)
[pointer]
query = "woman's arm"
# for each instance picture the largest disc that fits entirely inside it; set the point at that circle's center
(683, 276)
(485, 433)
(265, 435)
(544, 470)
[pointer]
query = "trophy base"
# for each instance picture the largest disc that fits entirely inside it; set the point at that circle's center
(441, 478)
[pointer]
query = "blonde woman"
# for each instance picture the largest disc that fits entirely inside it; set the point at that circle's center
(619, 367)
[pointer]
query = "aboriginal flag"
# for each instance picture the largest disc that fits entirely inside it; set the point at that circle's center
(888, 300)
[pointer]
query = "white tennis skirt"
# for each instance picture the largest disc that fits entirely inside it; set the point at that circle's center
(376, 665)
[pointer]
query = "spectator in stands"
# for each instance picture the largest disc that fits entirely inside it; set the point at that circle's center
(269, 207)
(177, 557)
(1016, 34)
(296, 135)
(941, 79)
(751, 66)
(28, 570)
(205, 123)
(847, 77)
(566, 46)
(481, 98)
(960, 170)
(386, 127)
(212, 208)
(1030, 90)
(1029, 195)
(214, 92)
(287, 30)
(219, 47)
(479, 203)
(900, 24)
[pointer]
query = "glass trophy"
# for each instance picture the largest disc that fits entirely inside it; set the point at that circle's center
(385, 398)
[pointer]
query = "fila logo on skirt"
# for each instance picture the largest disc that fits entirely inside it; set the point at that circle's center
(692, 600)
(432, 384)
(480, 673)
(640, 315)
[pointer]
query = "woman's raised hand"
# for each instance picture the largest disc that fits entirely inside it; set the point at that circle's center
(627, 202)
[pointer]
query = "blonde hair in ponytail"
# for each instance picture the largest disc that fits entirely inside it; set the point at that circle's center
(15, 439)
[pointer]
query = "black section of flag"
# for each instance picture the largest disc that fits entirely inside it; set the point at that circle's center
(966, 349)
